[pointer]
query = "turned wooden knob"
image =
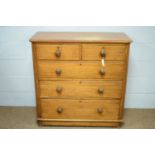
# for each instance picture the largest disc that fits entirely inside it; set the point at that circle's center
(59, 89)
(58, 71)
(58, 53)
(59, 110)
(100, 90)
(99, 110)
(102, 71)
(102, 53)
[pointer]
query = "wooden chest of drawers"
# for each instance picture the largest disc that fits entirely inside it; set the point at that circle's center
(80, 78)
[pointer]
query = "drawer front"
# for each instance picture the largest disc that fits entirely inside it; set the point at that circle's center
(97, 51)
(80, 89)
(58, 52)
(87, 70)
(80, 109)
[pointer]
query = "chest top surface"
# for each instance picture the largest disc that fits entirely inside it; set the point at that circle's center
(80, 37)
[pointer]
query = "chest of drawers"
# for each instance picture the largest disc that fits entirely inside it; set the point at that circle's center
(80, 78)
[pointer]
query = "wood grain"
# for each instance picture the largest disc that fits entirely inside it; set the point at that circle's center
(68, 52)
(80, 79)
(44, 122)
(36, 79)
(124, 81)
(80, 89)
(113, 52)
(80, 109)
(80, 37)
(83, 69)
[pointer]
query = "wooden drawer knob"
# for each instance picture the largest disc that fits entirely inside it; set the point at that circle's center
(100, 110)
(103, 54)
(100, 90)
(58, 71)
(59, 89)
(102, 71)
(59, 110)
(58, 53)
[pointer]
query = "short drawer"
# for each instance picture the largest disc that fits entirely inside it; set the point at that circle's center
(58, 51)
(109, 52)
(80, 89)
(85, 70)
(80, 109)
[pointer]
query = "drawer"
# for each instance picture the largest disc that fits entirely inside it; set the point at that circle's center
(97, 51)
(58, 51)
(80, 89)
(80, 109)
(89, 70)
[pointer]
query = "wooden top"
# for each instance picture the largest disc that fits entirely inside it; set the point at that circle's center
(80, 37)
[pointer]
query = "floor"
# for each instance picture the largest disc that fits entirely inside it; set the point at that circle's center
(25, 118)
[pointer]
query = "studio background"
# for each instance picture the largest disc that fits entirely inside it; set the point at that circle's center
(16, 67)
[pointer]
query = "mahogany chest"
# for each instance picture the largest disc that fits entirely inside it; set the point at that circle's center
(80, 77)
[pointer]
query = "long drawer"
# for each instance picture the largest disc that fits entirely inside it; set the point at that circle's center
(82, 70)
(80, 89)
(80, 109)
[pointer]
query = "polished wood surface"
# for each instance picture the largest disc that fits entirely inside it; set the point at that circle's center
(112, 52)
(80, 89)
(80, 109)
(88, 37)
(73, 87)
(80, 69)
(67, 52)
